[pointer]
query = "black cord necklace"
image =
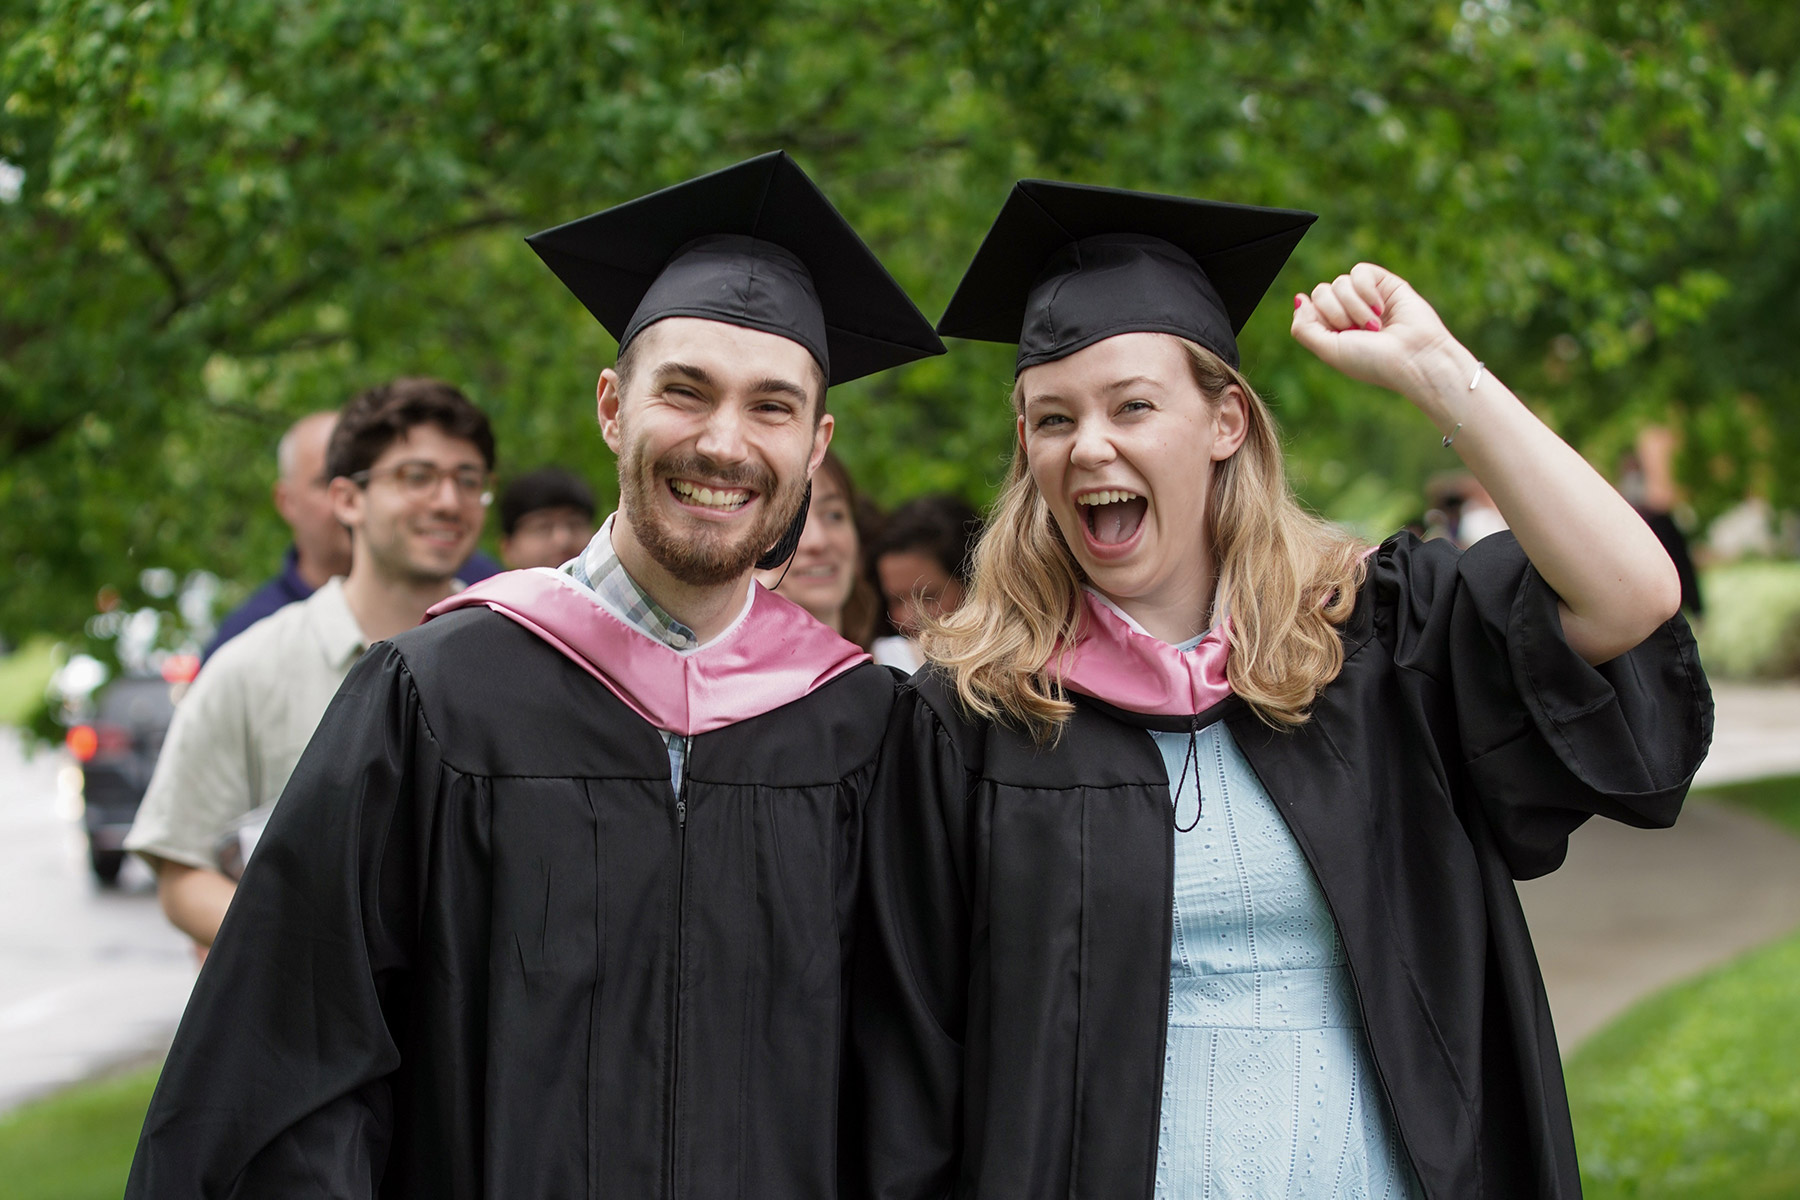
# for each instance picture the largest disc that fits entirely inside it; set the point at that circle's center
(1192, 755)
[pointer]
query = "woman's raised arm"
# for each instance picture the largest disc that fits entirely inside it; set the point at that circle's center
(1616, 582)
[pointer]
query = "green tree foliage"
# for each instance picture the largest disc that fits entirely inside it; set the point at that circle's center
(232, 213)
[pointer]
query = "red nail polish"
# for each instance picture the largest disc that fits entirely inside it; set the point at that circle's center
(1373, 327)
(1296, 304)
(1376, 308)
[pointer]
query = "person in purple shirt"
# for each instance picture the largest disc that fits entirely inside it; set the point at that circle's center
(321, 546)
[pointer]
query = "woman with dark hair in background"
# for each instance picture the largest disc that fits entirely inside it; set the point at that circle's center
(1189, 868)
(826, 576)
(922, 559)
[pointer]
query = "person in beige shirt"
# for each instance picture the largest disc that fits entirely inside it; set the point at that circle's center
(409, 463)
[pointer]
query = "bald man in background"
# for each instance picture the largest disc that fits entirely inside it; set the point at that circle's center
(321, 546)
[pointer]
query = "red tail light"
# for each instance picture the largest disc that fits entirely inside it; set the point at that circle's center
(86, 742)
(83, 742)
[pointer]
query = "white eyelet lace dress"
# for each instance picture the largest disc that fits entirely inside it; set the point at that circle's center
(1269, 1090)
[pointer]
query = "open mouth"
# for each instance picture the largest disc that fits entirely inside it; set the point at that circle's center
(720, 499)
(1112, 516)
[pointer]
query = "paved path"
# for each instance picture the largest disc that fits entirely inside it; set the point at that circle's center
(1634, 910)
(90, 977)
(1757, 733)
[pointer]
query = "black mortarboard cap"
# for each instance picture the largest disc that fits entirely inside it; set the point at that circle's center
(1066, 265)
(756, 245)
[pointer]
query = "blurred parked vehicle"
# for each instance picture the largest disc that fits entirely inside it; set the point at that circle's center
(116, 743)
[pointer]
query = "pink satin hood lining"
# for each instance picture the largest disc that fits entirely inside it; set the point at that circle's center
(775, 654)
(1139, 673)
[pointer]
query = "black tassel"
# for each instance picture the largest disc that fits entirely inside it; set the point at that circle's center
(1192, 756)
(783, 551)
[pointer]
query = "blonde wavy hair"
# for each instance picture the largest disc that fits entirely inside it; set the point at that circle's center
(1287, 578)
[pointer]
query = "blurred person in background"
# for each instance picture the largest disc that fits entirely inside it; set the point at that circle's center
(827, 577)
(546, 518)
(409, 464)
(1647, 480)
(321, 545)
(1461, 509)
(922, 560)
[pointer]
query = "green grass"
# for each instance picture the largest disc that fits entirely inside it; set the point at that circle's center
(76, 1145)
(1695, 1092)
(1752, 624)
(1776, 800)
(23, 676)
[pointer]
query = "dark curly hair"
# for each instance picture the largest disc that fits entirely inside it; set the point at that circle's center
(380, 416)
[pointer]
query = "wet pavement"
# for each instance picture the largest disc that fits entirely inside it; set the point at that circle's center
(90, 977)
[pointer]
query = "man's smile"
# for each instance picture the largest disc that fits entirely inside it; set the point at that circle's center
(720, 499)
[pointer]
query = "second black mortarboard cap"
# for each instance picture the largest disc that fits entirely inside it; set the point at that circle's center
(1066, 265)
(756, 245)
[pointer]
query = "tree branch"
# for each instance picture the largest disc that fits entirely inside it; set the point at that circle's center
(22, 437)
(307, 284)
(244, 412)
(179, 295)
(304, 341)
(15, 335)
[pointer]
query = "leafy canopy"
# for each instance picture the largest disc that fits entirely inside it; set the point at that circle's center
(232, 213)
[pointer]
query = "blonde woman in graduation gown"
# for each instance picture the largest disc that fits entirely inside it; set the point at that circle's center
(1190, 868)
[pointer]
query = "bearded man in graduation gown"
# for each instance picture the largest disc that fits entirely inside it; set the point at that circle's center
(557, 902)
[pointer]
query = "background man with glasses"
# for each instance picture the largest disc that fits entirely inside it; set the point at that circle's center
(321, 546)
(409, 465)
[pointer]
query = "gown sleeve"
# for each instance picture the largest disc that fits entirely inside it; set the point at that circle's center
(1542, 739)
(909, 994)
(277, 1083)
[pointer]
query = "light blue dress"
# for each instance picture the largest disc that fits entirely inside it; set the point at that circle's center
(1268, 1089)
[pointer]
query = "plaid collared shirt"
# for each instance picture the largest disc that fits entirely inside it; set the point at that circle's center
(599, 570)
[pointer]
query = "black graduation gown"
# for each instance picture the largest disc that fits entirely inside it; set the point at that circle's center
(478, 954)
(1010, 1009)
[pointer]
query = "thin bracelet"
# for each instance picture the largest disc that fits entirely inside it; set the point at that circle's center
(1473, 380)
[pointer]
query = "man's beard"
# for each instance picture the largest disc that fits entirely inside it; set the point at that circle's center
(709, 557)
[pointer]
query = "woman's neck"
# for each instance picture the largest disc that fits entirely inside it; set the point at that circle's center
(1177, 612)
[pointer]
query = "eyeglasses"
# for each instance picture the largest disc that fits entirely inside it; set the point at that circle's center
(421, 481)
